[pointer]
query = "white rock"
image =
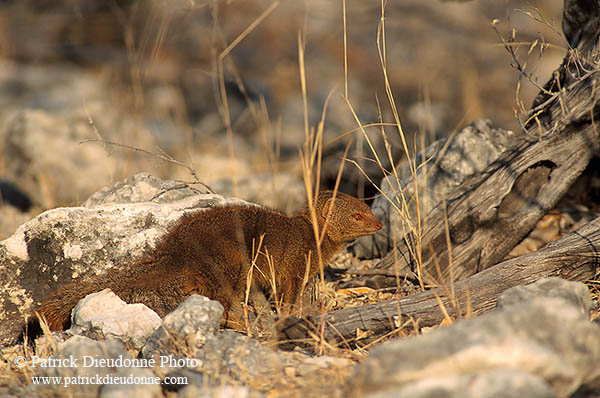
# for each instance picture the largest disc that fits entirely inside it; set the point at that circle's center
(108, 315)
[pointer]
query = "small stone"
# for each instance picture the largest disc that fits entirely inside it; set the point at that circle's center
(139, 383)
(544, 335)
(143, 187)
(224, 391)
(105, 315)
(232, 353)
(193, 321)
(314, 364)
(82, 359)
(575, 293)
(187, 377)
(494, 384)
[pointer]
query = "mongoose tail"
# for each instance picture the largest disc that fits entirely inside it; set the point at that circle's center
(56, 311)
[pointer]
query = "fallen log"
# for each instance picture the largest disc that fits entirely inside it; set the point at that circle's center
(575, 256)
(464, 237)
(492, 212)
(499, 207)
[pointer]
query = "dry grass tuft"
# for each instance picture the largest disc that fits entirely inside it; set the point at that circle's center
(329, 381)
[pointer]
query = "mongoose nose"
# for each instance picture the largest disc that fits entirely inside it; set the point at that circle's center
(378, 224)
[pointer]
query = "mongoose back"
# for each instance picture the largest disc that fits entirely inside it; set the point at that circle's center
(211, 252)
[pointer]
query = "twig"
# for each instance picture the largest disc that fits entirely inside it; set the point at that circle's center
(162, 155)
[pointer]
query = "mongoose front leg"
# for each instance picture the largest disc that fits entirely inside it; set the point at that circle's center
(235, 315)
(289, 295)
(264, 315)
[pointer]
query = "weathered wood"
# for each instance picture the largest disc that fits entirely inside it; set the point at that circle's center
(575, 256)
(501, 206)
(495, 210)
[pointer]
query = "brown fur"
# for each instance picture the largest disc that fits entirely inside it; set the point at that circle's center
(210, 253)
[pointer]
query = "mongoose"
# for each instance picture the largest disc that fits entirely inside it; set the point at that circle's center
(211, 252)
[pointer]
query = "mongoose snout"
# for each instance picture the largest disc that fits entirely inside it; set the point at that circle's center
(212, 252)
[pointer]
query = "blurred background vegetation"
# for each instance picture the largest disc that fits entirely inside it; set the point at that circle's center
(216, 84)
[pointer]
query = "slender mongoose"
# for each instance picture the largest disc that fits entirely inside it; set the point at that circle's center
(211, 253)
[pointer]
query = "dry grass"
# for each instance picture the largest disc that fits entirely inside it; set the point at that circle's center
(594, 286)
(327, 382)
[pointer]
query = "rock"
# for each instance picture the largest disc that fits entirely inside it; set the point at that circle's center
(76, 243)
(193, 322)
(136, 384)
(47, 343)
(190, 376)
(576, 293)
(62, 90)
(276, 191)
(103, 315)
(46, 155)
(194, 327)
(315, 364)
(210, 165)
(546, 337)
(87, 367)
(509, 383)
(236, 355)
(433, 117)
(45, 116)
(467, 154)
(226, 391)
(143, 187)
(498, 383)
(77, 363)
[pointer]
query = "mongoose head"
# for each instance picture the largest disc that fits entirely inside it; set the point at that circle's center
(346, 217)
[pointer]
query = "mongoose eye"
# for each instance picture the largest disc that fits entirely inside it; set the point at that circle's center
(357, 216)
